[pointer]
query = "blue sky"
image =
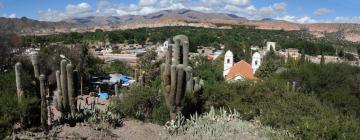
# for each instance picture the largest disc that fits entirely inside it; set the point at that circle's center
(301, 11)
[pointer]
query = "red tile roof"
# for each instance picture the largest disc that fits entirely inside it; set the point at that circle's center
(242, 69)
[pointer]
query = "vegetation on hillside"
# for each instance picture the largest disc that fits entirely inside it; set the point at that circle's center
(236, 39)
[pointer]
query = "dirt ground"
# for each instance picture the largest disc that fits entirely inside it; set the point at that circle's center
(132, 130)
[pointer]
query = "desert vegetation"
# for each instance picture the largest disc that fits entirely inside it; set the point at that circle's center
(188, 97)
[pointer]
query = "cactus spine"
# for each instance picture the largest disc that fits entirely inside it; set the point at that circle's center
(177, 75)
(18, 69)
(35, 62)
(43, 101)
(71, 90)
(63, 79)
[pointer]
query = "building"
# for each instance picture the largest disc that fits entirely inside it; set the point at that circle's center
(217, 54)
(270, 45)
(228, 62)
(290, 52)
(256, 61)
(205, 51)
(240, 70)
(293, 53)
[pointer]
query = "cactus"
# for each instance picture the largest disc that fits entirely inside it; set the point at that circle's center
(63, 79)
(35, 62)
(177, 75)
(43, 101)
(116, 90)
(71, 89)
(142, 79)
(18, 69)
(58, 96)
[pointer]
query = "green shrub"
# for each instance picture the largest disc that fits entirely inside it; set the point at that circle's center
(224, 124)
(160, 114)
(11, 110)
(142, 103)
(303, 115)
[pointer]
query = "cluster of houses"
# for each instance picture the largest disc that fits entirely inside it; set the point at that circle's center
(242, 70)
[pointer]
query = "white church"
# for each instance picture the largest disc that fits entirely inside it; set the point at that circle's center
(243, 70)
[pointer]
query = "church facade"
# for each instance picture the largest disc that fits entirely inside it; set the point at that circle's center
(243, 70)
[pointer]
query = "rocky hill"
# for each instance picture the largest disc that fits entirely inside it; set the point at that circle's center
(29, 26)
(183, 17)
(182, 14)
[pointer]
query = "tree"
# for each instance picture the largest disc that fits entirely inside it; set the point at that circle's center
(322, 61)
(82, 64)
(247, 52)
(341, 53)
(266, 69)
(148, 64)
(302, 58)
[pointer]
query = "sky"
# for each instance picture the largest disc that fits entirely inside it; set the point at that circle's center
(300, 11)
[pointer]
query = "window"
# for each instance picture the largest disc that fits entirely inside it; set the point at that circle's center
(228, 60)
(256, 62)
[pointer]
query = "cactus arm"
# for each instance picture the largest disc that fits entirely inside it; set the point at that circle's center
(18, 69)
(35, 62)
(185, 52)
(43, 101)
(63, 79)
(70, 86)
(179, 84)
(189, 80)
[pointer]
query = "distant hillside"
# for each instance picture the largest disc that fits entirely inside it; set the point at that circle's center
(183, 17)
(182, 14)
(30, 26)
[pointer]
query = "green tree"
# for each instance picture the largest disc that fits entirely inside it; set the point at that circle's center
(266, 69)
(322, 60)
(148, 64)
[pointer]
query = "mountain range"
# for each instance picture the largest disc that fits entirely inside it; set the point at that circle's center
(183, 14)
(182, 17)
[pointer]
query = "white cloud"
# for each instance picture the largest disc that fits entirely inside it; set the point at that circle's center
(355, 19)
(147, 2)
(243, 8)
(79, 9)
(239, 2)
(12, 15)
(322, 11)
(51, 15)
(303, 19)
(280, 6)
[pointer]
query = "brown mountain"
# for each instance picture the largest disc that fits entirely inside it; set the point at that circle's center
(29, 26)
(181, 17)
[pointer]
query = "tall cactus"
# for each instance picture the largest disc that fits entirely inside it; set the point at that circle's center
(35, 62)
(71, 88)
(63, 79)
(116, 90)
(58, 95)
(141, 79)
(18, 69)
(177, 75)
(43, 101)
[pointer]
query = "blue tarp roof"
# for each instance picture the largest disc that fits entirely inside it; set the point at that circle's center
(124, 79)
(103, 96)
